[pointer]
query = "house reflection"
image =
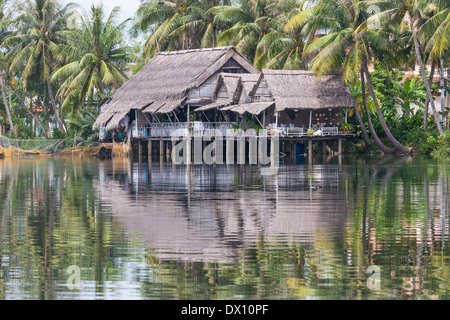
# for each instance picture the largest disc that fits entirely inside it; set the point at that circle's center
(213, 213)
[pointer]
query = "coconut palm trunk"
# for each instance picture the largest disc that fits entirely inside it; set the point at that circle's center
(361, 124)
(425, 80)
(7, 106)
(44, 131)
(377, 140)
(397, 145)
(54, 107)
(427, 101)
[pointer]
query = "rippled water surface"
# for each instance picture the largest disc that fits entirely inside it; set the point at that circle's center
(159, 231)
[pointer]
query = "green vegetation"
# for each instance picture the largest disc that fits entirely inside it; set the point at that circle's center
(56, 64)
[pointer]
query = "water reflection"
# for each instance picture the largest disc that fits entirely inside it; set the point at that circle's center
(159, 231)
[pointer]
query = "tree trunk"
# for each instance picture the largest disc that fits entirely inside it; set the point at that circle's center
(427, 101)
(361, 124)
(424, 76)
(397, 145)
(441, 73)
(377, 140)
(55, 109)
(38, 122)
(7, 106)
(214, 38)
(11, 91)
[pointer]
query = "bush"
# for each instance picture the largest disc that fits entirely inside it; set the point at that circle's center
(442, 149)
(425, 142)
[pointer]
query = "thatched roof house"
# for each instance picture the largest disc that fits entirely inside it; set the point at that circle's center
(298, 97)
(302, 90)
(287, 89)
(170, 80)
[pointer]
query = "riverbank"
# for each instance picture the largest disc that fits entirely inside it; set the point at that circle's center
(423, 144)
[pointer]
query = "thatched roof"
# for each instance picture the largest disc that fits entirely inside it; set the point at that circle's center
(167, 78)
(253, 93)
(303, 90)
(253, 108)
(248, 82)
(215, 105)
(232, 89)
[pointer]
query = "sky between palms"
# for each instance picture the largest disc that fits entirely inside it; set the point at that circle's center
(127, 7)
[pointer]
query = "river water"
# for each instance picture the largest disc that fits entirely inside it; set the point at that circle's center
(350, 228)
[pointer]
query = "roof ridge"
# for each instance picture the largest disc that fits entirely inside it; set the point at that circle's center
(279, 71)
(294, 72)
(195, 50)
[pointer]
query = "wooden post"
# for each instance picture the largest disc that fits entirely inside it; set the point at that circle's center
(253, 147)
(161, 149)
(276, 121)
(310, 150)
(139, 151)
(261, 150)
(149, 151)
(230, 150)
(136, 116)
(188, 138)
(168, 150)
(339, 146)
(241, 146)
(310, 119)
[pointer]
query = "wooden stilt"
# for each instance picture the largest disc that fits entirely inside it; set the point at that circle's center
(310, 150)
(161, 149)
(253, 147)
(241, 148)
(230, 150)
(149, 149)
(139, 151)
(168, 150)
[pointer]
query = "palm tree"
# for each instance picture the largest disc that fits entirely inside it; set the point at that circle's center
(344, 49)
(35, 42)
(4, 16)
(438, 25)
(199, 25)
(161, 18)
(411, 14)
(438, 44)
(251, 22)
(97, 59)
(282, 48)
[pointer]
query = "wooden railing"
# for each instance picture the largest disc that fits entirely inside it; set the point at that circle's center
(166, 130)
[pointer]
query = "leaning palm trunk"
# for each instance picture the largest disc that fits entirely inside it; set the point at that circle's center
(45, 132)
(26, 109)
(383, 148)
(424, 76)
(55, 109)
(397, 145)
(361, 125)
(7, 106)
(427, 101)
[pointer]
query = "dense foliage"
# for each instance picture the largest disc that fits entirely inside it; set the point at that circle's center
(58, 63)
